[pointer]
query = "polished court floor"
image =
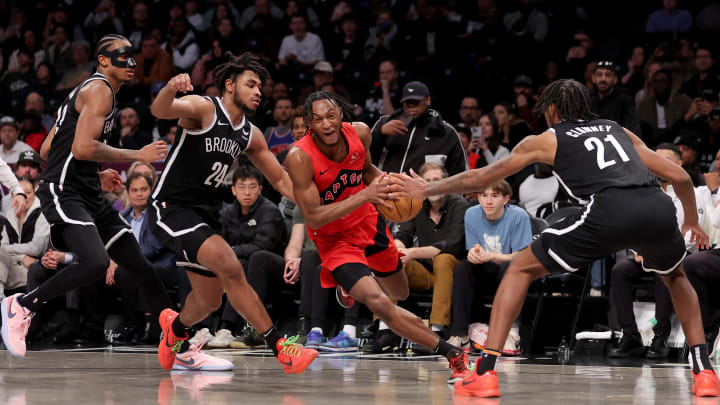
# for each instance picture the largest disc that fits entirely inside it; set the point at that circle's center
(132, 376)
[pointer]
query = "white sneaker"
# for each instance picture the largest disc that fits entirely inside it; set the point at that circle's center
(512, 344)
(202, 334)
(461, 342)
(222, 339)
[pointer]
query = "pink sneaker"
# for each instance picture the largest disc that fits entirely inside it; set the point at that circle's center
(194, 359)
(15, 324)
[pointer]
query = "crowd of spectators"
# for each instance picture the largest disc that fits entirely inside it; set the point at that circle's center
(446, 86)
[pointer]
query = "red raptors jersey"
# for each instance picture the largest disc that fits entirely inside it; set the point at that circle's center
(337, 181)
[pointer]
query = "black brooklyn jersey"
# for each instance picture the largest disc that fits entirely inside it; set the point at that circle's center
(595, 155)
(63, 170)
(199, 161)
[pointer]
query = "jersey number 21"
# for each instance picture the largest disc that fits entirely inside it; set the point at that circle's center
(593, 143)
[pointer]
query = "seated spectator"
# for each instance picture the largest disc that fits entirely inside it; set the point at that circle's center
(153, 63)
(29, 165)
(323, 73)
(469, 112)
(650, 69)
(260, 7)
(82, 67)
(430, 265)
(59, 53)
(660, 110)
(538, 189)
(300, 48)
(300, 7)
(610, 102)
(689, 144)
(510, 127)
(705, 78)
(17, 85)
(194, 17)
(32, 130)
(633, 79)
(280, 136)
(491, 142)
(103, 20)
(525, 102)
(30, 43)
(381, 37)
(494, 233)
(414, 135)
(24, 239)
(11, 146)
(34, 101)
(347, 52)
(669, 19)
(250, 224)
(182, 45)
(131, 135)
(471, 145)
(630, 270)
(138, 26)
(384, 96)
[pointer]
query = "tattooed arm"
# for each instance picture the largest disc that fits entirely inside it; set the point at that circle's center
(532, 149)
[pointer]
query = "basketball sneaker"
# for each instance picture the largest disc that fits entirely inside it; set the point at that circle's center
(221, 340)
(485, 386)
(343, 298)
(170, 344)
(314, 339)
(249, 339)
(195, 360)
(15, 324)
(460, 368)
(460, 342)
(340, 343)
(705, 384)
(203, 333)
(292, 357)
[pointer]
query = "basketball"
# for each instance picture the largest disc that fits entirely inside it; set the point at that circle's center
(403, 209)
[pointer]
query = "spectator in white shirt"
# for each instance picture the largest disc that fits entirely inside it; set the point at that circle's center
(11, 146)
(301, 47)
(491, 145)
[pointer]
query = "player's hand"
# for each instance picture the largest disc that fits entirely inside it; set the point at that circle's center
(402, 185)
(181, 83)
(19, 202)
(109, 179)
(110, 273)
(292, 270)
(377, 192)
(697, 235)
(153, 152)
(393, 128)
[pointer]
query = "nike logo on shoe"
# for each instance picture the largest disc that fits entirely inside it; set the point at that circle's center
(286, 363)
(11, 314)
(167, 342)
(186, 362)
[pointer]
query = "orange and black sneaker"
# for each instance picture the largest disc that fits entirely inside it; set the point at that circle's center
(705, 384)
(293, 357)
(170, 344)
(344, 298)
(460, 368)
(485, 386)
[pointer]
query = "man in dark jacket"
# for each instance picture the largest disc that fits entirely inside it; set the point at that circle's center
(414, 135)
(251, 224)
(609, 102)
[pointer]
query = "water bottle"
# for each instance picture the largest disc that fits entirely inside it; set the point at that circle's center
(563, 352)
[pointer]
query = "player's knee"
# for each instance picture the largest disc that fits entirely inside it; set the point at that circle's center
(400, 293)
(380, 305)
(97, 263)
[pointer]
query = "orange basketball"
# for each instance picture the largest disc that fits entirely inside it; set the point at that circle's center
(403, 209)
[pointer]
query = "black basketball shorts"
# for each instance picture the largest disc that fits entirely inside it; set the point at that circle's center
(64, 208)
(642, 219)
(183, 229)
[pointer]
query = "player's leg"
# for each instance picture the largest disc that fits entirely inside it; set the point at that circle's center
(92, 262)
(216, 254)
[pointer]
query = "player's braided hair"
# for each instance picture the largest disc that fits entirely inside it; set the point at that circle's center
(571, 100)
(236, 65)
(334, 99)
(106, 41)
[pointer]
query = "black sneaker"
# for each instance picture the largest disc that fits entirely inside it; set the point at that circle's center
(128, 335)
(659, 348)
(250, 339)
(630, 345)
(303, 328)
(384, 341)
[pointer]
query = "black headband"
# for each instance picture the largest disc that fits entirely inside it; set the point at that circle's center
(115, 55)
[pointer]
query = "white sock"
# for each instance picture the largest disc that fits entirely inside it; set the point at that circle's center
(316, 329)
(382, 326)
(351, 330)
(436, 328)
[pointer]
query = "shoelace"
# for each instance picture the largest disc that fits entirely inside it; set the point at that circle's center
(24, 325)
(290, 348)
(458, 363)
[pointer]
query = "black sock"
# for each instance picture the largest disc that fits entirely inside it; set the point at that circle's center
(488, 361)
(180, 330)
(700, 360)
(446, 349)
(271, 337)
(30, 302)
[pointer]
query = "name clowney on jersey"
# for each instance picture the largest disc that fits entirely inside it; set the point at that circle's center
(595, 155)
(63, 170)
(197, 169)
(337, 181)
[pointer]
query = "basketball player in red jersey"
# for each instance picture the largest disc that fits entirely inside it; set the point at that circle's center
(335, 184)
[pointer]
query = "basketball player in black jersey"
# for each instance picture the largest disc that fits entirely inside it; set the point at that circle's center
(609, 170)
(186, 204)
(71, 194)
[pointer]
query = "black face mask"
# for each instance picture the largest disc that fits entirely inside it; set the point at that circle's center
(126, 51)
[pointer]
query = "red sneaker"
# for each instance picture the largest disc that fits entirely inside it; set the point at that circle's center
(170, 344)
(343, 298)
(705, 384)
(294, 358)
(460, 368)
(475, 385)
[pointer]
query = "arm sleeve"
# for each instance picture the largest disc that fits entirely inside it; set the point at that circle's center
(522, 234)
(269, 234)
(36, 246)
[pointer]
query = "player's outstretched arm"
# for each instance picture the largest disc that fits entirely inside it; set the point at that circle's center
(307, 195)
(532, 149)
(95, 102)
(267, 163)
(191, 110)
(681, 182)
